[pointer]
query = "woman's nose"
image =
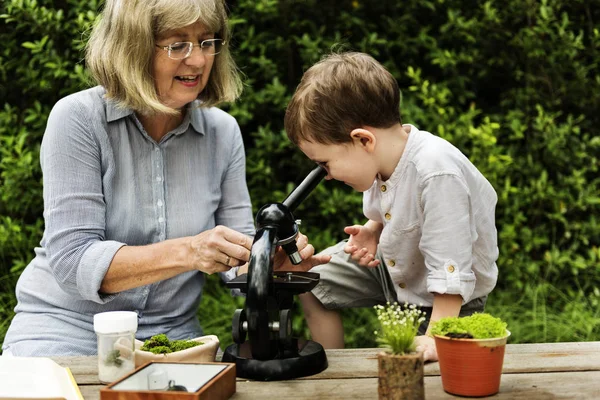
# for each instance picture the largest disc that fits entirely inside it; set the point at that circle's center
(197, 57)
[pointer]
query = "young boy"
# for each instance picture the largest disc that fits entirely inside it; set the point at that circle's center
(430, 238)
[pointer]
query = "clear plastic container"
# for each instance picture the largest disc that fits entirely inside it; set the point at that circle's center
(116, 344)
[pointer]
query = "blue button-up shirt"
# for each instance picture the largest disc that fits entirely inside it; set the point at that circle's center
(108, 184)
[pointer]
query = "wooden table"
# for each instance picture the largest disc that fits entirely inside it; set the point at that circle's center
(531, 371)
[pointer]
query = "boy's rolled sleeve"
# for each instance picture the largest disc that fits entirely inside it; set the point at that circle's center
(451, 280)
(448, 235)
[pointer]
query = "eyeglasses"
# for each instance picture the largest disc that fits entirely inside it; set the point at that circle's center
(181, 50)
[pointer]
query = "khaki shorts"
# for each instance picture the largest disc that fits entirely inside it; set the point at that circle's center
(345, 284)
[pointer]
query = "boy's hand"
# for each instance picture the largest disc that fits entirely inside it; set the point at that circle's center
(426, 344)
(362, 245)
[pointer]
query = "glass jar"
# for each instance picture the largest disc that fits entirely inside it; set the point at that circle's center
(116, 344)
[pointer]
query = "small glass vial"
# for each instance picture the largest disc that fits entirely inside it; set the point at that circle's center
(116, 344)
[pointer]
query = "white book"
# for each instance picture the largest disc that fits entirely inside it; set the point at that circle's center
(36, 378)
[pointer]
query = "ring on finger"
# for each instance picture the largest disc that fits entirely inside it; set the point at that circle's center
(228, 259)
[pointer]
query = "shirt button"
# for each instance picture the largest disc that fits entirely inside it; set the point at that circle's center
(156, 149)
(402, 285)
(158, 179)
(161, 220)
(159, 203)
(391, 263)
(383, 188)
(388, 216)
(450, 268)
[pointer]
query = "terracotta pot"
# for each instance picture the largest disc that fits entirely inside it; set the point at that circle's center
(471, 367)
(400, 376)
(205, 352)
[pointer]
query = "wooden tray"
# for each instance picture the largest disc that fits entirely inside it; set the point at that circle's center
(210, 381)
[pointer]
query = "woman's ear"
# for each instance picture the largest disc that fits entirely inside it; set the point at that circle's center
(364, 138)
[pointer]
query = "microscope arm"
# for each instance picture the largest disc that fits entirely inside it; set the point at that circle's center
(275, 225)
(260, 270)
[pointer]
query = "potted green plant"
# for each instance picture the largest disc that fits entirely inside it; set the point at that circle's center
(400, 367)
(471, 353)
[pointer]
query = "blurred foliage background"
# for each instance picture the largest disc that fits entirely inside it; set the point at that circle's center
(515, 84)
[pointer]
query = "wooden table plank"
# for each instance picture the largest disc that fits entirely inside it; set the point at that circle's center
(565, 385)
(533, 386)
(539, 357)
(574, 385)
(552, 357)
(362, 363)
(90, 392)
(83, 368)
(547, 370)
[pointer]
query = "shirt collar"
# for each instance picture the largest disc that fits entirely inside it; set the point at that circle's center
(115, 112)
(196, 117)
(404, 159)
(193, 117)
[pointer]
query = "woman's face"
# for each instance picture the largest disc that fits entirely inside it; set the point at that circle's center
(179, 82)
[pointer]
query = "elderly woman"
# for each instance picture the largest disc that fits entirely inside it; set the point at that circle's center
(144, 183)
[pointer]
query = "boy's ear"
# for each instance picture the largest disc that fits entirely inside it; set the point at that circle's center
(364, 138)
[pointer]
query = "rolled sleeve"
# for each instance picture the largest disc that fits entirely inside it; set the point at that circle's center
(447, 240)
(451, 280)
(92, 268)
(74, 204)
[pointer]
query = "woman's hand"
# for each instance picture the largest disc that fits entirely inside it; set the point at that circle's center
(426, 345)
(362, 244)
(219, 249)
(307, 251)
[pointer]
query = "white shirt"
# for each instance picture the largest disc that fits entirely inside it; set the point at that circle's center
(439, 234)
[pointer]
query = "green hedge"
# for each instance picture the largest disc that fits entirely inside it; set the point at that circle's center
(513, 83)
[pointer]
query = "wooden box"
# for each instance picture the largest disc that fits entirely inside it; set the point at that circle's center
(206, 381)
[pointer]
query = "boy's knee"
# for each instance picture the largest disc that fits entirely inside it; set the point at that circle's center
(310, 304)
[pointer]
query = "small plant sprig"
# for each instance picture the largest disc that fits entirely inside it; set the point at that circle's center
(399, 326)
(114, 358)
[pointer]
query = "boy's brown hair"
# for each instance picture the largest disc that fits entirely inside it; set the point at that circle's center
(340, 93)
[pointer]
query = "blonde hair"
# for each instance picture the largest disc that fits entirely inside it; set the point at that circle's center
(121, 49)
(340, 93)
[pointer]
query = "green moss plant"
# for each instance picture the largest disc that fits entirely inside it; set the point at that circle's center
(160, 344)
(398, 327)
(476, 326)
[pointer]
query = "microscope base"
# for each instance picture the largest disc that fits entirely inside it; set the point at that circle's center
(309, 360)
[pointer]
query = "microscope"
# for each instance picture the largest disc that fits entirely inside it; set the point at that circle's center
(271, 353)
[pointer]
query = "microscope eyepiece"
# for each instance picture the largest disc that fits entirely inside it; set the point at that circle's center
(292, 251)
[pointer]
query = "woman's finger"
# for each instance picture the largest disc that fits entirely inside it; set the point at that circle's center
(237, 238)
(234, 244)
